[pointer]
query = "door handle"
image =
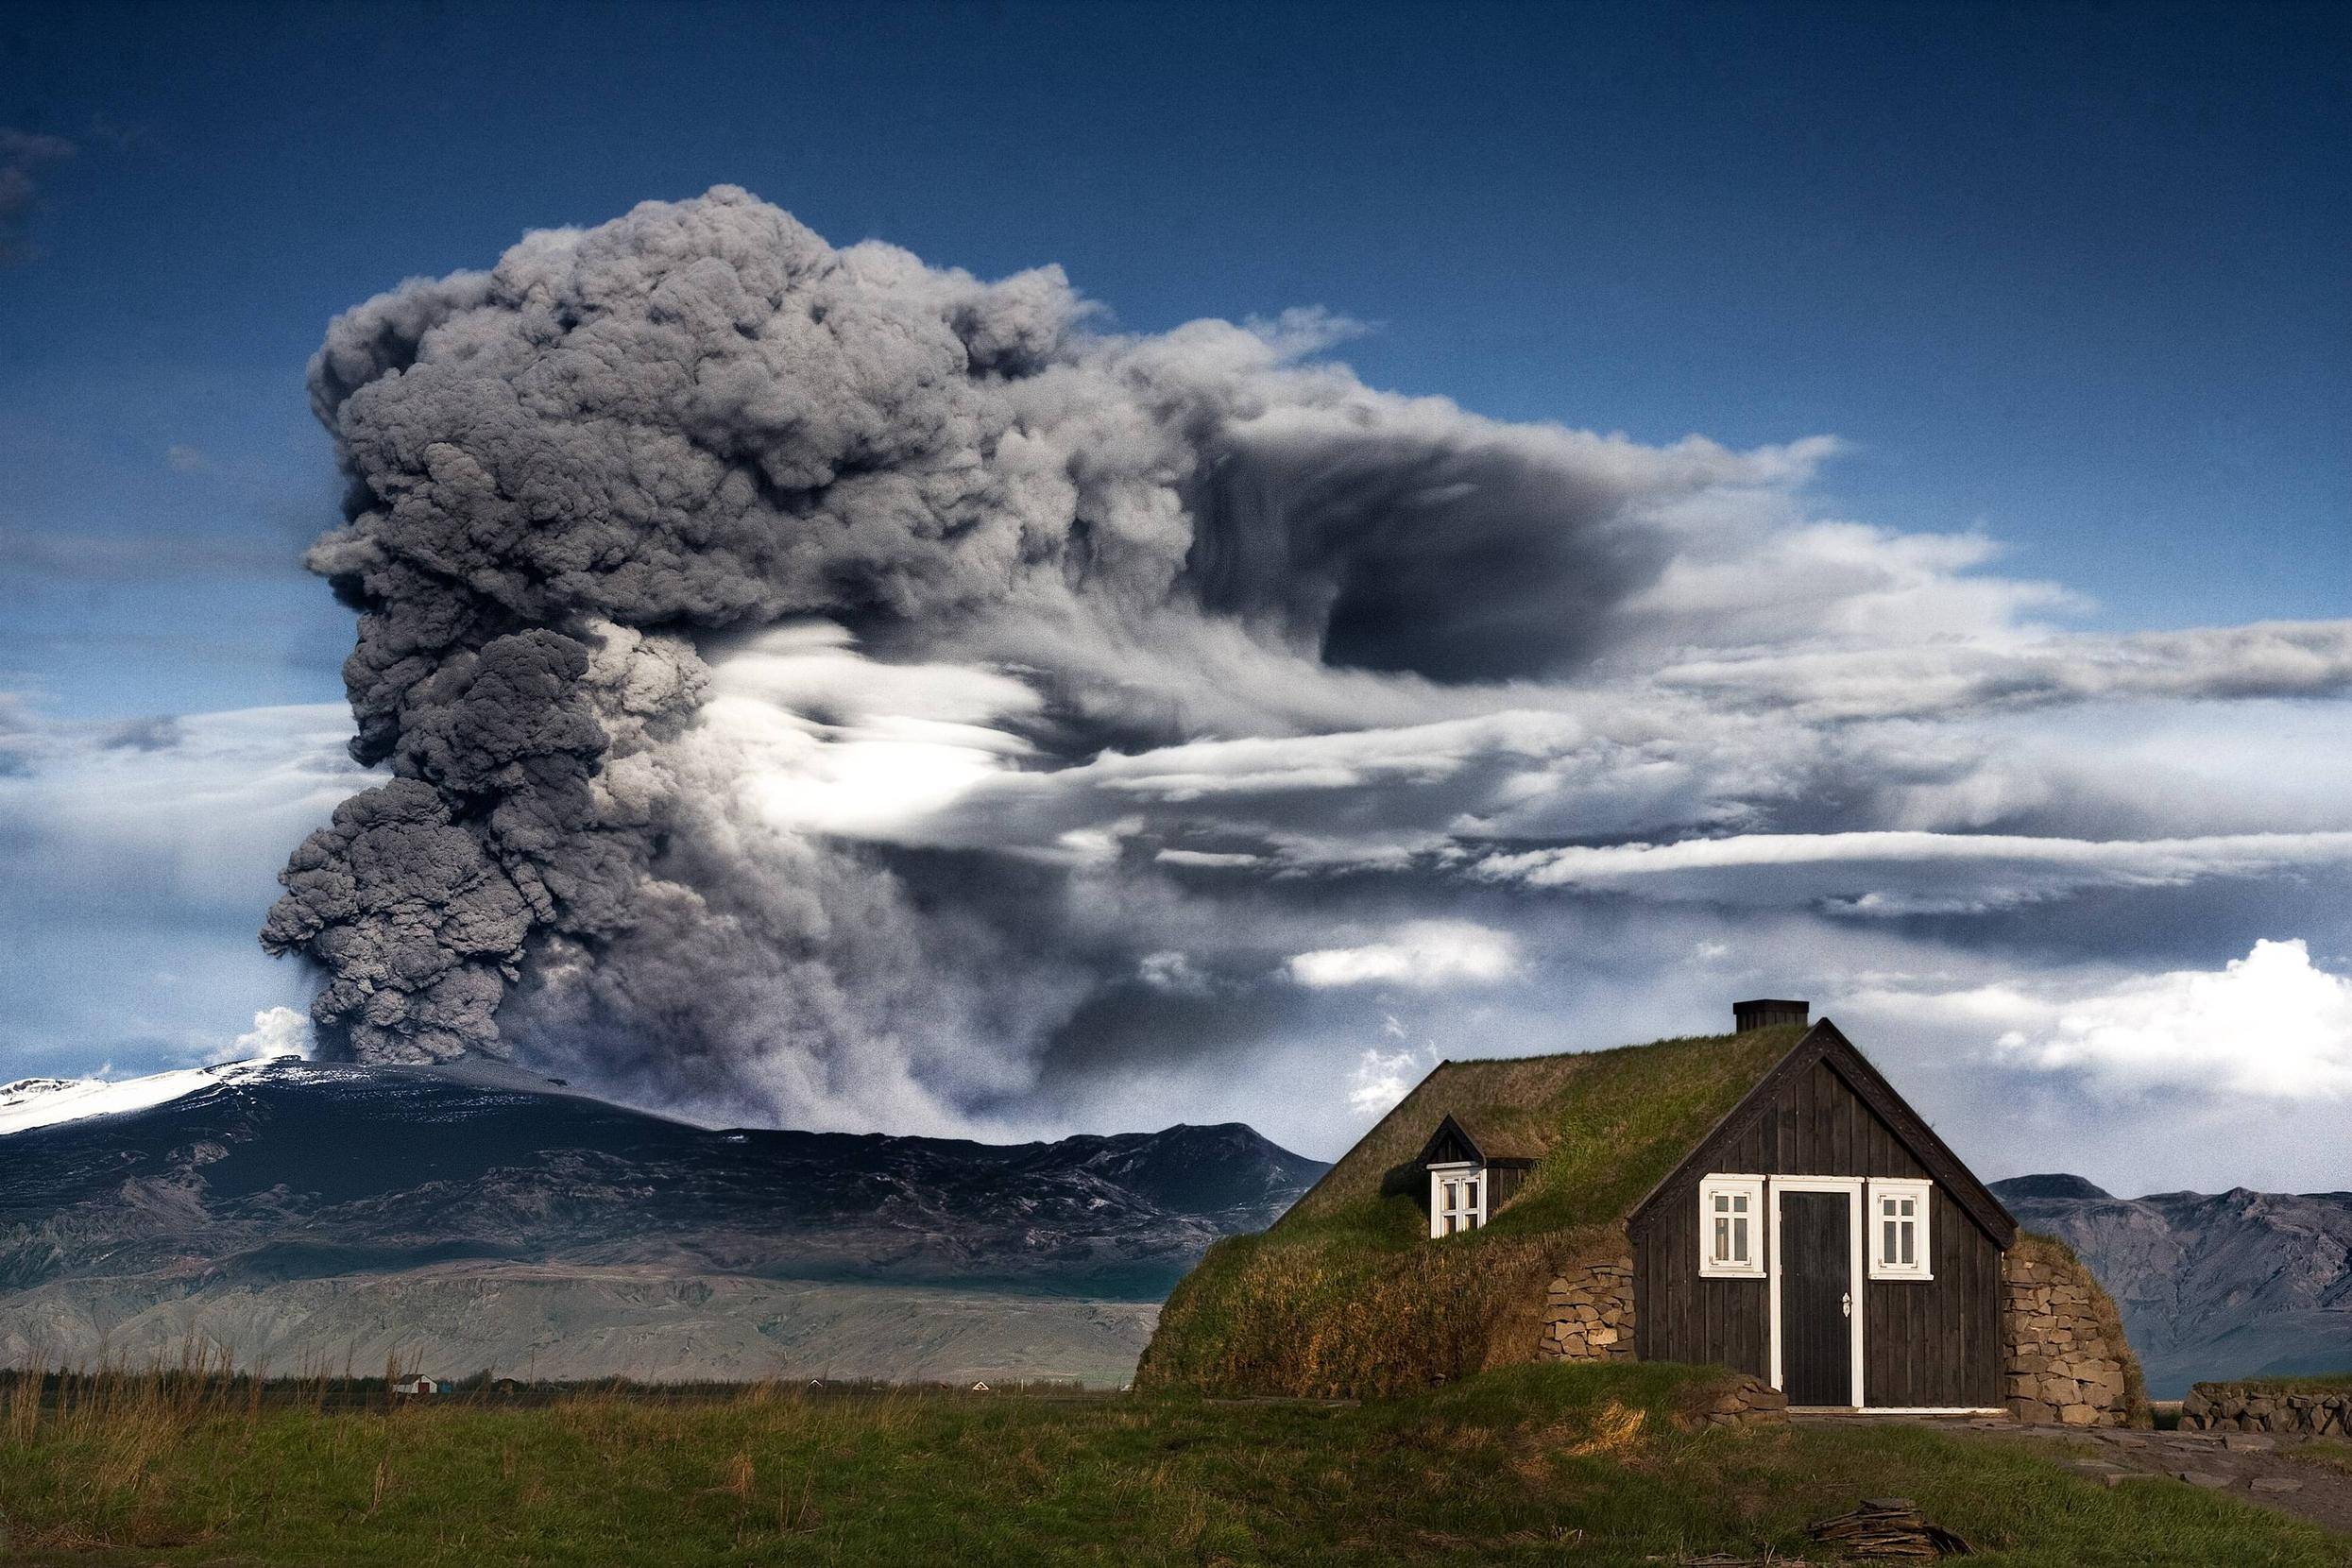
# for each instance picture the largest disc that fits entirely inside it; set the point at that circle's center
(1846, 1304)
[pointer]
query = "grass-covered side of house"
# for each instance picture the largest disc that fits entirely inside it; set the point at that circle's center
(1347, 1295)
(1538, 1465)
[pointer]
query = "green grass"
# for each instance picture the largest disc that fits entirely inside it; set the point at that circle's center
(2327, 1453)
(1535, 1465)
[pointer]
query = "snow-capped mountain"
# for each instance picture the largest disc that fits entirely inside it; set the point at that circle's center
(31, 1102)
(310, 1212)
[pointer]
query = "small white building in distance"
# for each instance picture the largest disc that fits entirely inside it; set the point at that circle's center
(418, 1384)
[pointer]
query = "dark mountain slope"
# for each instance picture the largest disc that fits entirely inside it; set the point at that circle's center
(309, 1184)
(2211, 1285)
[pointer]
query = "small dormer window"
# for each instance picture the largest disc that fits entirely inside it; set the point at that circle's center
(1731, 1229)
(1898, 1239)
(1457, 1198)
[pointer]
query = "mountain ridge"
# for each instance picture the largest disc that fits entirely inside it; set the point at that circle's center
(2211, 1285)
(306, 1211)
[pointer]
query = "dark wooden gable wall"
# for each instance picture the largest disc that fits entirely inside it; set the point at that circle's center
(1926, 1344)
(1447, 1145)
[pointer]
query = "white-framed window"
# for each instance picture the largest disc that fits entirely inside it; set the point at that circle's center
(1457, 1198)
(1731, 1227)
(1899, 1230)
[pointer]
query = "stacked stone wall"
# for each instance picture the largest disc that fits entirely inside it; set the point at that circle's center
(2267, 1407)
(2066, 1360)
(1588, 1313)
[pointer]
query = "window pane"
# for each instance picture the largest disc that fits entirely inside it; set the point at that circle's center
(1723, 1241)
(1739, 1203)
(1910, 1234)
(1739, 1240)
(1887, 1243)
(1469, 1195)
(1723, 1203)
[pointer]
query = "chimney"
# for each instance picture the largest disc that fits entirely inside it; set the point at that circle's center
(1770, 1013)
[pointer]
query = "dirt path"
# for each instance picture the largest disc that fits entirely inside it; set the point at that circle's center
(2253, 1467)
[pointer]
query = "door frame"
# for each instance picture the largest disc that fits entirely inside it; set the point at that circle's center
(1851, 1187)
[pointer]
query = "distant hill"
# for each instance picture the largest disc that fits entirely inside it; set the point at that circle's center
(2211, 1285)
(465, 1216)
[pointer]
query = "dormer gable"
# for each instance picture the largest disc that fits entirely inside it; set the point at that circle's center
(1470, 1175)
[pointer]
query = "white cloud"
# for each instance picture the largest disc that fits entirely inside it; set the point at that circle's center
(1382, 1078)
(1893, 672)
(191, 811)
(828, 741)
(1422, 954)
(2272, 1026)
(1901, 872)
(275, 1032)
(1172, 971)
(1209, 860)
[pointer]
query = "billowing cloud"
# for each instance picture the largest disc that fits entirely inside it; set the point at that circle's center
(275, 1032)
(2273, 1025)
(818, 687)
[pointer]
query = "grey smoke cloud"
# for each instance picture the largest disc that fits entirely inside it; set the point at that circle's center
(575, 475)
(823, 686)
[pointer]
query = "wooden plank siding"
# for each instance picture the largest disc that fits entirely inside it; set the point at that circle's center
(1931, 1343)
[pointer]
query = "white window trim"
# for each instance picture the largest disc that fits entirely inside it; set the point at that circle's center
(1752, 1187)
(1851, 1187)
(1440, 1173)
(1922, 1267)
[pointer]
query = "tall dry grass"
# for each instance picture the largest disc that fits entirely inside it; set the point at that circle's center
(1329, 1320)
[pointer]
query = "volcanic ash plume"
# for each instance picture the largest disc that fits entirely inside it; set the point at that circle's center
(949, 519)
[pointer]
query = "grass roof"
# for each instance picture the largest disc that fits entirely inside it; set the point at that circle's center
(1609, 1126)
(1345, 1295)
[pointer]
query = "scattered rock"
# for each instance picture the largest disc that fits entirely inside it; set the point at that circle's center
(2203, 1479)
(2247, 1442)
(2275, 1483)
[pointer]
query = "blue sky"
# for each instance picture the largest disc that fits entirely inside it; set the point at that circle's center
(2070, 278)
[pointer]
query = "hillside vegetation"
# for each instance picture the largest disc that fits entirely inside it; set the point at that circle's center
(1345, 1295)
(1536, 1465)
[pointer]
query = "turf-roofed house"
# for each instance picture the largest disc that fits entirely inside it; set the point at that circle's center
(1763, 1201)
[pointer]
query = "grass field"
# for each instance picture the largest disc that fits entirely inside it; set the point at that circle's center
(1530, 1465)
(2327, 1453)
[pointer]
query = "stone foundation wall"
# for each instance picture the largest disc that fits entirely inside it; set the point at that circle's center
(2259, 1407)
(2064, 1359)
(1588, 1313)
